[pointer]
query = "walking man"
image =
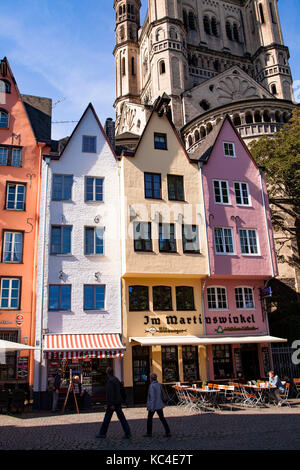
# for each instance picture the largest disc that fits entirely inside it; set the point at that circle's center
(114, 403)
(156, 404)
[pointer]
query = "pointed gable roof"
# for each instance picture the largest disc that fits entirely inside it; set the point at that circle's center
(204, 151)
(38, 109)
(90, 107)
(162, 108)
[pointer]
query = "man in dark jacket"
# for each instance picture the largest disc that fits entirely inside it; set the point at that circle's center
(114, 403)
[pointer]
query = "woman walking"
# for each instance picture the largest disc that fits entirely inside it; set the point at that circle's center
(156, 404)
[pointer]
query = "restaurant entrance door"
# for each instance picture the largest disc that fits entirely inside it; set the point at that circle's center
(141, 373)
(250, 363)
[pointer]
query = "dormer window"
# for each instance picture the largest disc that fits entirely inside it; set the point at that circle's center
(3, 119)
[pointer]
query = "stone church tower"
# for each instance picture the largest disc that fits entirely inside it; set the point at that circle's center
(212, 58)
(209, 56)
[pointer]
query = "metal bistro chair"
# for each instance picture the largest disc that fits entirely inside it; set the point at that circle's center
(171, 399)
(297, 384)
(181, 397)
(284, 396)
(193, 403)
(249, 399)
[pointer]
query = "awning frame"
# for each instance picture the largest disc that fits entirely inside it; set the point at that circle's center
(204, 340)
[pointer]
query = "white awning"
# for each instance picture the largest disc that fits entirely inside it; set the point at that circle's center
(11, 346)
(194, 340)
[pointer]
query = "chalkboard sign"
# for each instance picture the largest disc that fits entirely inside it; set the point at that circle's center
(23, 368)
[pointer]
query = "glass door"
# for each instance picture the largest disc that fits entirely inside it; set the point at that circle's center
(141, 373)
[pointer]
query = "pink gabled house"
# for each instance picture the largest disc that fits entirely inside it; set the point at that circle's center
(242, 257)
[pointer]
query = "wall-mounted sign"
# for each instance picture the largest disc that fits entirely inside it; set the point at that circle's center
(19, 319)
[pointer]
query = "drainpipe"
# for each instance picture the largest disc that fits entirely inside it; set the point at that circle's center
(200, 166)
(40, 339)
(266, 221)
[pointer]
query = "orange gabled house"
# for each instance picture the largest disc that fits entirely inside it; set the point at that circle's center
(25, 133)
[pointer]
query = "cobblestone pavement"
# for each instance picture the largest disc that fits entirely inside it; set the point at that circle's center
(270, 428)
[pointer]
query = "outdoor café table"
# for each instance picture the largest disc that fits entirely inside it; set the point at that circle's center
(262, 392)
(207, 397)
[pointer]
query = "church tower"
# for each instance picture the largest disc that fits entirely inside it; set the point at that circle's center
(126, 51)
(271, 62)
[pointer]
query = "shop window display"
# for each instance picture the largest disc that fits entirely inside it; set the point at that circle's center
(169, 364)
(190, 363)
(222, 360)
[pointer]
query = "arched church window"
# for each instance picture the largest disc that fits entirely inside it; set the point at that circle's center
(192, 23)
(249, 118)
(202, 132)
(277, 116)
(257, 117)
(132, 66)
(122, 32)
(190, 140)
(273, 89)
(236, 32)
(162, 67)
(185, 19)
(206, 24)
(214, 27)
(197, 136)
(267, 117)
(261, 13)
(229, 30)
(237, 120)
(123, 67)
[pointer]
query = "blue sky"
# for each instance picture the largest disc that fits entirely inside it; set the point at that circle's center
(62, 49)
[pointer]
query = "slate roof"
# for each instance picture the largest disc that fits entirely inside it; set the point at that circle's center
(39, 111)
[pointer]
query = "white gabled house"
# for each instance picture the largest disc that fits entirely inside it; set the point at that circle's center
(78, 317)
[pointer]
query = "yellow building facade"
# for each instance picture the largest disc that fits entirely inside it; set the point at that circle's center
(164, 261)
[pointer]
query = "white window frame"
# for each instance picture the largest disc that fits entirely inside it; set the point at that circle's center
(241, 191)
(221, 193)
(244, 301)
(17, 185)
(223, 241)
(10, 279)
(8, 232)
(94, 242)
(233, 147)
(94, 201)
(216, 296)
(247, 230)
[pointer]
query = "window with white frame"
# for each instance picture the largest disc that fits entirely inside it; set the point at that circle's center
(10, 293)
(94, 241)
(11, 156)
(223, 240)
(244, 298)
(15, 196)
(94, 189)
(12, 247)
(221, 191)
(242, 197)
(216, 297)
(248, 241)
(229, 149)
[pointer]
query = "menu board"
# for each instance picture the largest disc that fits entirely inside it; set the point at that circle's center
(23, 368)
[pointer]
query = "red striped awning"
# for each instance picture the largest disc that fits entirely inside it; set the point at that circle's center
(80, 346)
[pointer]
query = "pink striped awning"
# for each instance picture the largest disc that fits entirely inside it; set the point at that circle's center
(83, 346)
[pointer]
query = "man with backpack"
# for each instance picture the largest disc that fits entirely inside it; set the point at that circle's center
(114, 403)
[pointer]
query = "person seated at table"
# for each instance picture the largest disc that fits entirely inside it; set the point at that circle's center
(275, 382)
